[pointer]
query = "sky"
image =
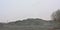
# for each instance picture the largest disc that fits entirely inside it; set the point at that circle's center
(13, 10)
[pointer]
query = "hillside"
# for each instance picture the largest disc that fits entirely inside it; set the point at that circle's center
(28, 24)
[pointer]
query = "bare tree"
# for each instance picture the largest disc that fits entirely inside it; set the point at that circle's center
(56, 15)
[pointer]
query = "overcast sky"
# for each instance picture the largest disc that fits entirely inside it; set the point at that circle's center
(12, 10)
